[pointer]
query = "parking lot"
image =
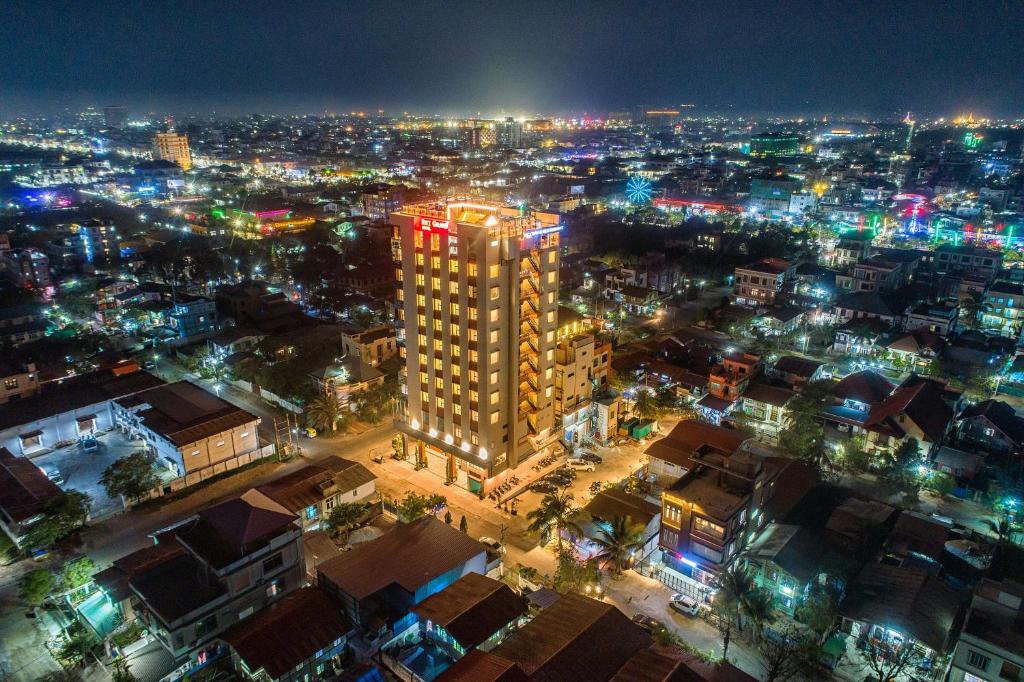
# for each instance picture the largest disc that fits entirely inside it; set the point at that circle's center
(81, 471)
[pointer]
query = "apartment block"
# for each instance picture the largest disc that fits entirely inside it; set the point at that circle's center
(582, 364)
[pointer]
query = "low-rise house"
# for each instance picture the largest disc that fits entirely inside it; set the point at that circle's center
(474, 612)
(186, 427)
(314, 490)
(963, 466)
(781, 319)
(611, 503)
(372, 346)
(918, 535)
(194, 317)
(17, 381)
(24, 493)
(762, 284)
(23, 323)
(657, 665)
(1001, 310)
(235, 340)
(897, 606)
(576, 638)
(379, 581)
(939, 319)
(726, 382)
(797, 372)
(968, 259)
(207, 573)
(670, 457)
(346, 378)
(853, 246)
(301, 636)
(991, 426)
(915, 349)
(862, 336)
(991, 644)
(765, 406)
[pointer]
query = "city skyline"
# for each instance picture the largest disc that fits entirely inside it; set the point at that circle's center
(518, 58)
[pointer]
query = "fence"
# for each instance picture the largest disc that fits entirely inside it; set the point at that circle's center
(200, 475)
(269, 396)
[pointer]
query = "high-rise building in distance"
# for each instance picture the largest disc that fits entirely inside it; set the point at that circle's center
(115, 116)
(478, 287)
(172, 147)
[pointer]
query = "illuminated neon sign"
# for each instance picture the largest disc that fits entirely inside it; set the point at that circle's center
(430, 224)
(539, 232)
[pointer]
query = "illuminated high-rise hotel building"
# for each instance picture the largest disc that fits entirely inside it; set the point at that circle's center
(172, 147)
(478, 296)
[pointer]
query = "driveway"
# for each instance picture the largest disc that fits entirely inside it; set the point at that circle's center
(82, 471)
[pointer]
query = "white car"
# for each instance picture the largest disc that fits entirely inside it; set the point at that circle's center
(688, 606)
(493, 545)
(580, 464)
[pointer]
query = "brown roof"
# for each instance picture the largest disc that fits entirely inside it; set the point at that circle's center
(472, 608)
(909, 600)
(574, 639)
(916, 533)
(481, 666)
(184, 413)
(288, 632)
(652, 665)
(850, 517)
(316, 482)
(770, 395)
(410, 555)
(865, 386)
(612, 502)
(688, 436)
(24, 488)
(922, 404)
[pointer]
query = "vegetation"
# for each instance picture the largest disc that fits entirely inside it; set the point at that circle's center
(130, 477)
(325, 412)
(62, 516)
(582, 576)
(788, 655)
(376, 403)
(464, 525)
(79, 643)
(738, 596)
(803, 436)
(414, 506)
(77, 572)
(556, 512)
(35, 586)
(345, 516)
(888, 663)
(618, 542)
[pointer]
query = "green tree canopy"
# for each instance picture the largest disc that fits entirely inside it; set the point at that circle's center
(131, 476)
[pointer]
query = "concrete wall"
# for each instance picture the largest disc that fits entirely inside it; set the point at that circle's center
(57, 428)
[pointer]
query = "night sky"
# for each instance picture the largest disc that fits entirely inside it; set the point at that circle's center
(793, 57)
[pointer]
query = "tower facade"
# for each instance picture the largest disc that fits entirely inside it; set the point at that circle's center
(173, 147)
(478, 296)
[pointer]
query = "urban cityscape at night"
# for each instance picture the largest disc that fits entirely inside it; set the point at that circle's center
(508, 342)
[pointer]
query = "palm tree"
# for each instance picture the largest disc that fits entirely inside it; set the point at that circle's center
(645, 406)
(737, 595)
(1003, 531)
(325, 411)
(556, 509)
(618, 540)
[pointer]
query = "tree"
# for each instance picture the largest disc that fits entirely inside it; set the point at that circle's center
(77, 572)
(414, 505)
(464, 525)
(618, 541)
(819, 609)
(79, 643)
(940, 483)
(326, 412)
(556, 511)
(1003, 530)
(888, 662)
(397, 446)
(35, 586)
(374, 404)
(130, 477)
(737, 595)
(62, 516)
(787, 655)
(345, 516)
(121, 673)
(970, 308)
(448, 516)
(803, 436)
(60, 676)
(646, 406)
(578, 575)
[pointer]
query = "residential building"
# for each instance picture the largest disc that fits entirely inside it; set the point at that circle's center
(314, 490)
(612, 503)
(939, 319)
(582, 365)
(761, 284)
(765, 407)
(172, 147)
(207, 573)
(868, 305)
(991, 426)
(968, 259)
(25, 490)
(194, 317)
(99, 243)
(372, 346)
(797, 372)
(31, 268)
(991, 644)
(671, 457)
(479, 287)
(853, 247)
(1002, 309)
(770, 199)
(726, 382)
(186, 428)
(22, 323)
(299, 637)
(874, 274)
(17, 381)
(347, 378)
(379, 581)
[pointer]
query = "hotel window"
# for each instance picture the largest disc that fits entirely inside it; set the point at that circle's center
(474, 439)
(437, 344)
(472, 355)
(453, 265)
(551, 277)
(421, 320)
(495, 293)
(435, 262)
(419, 259)
(437, 325)
(455, 310)
(456, 389)
(494, 397)
(438, 365)
(424, 398)
(976, 660)
(472, 335)
(440, 407)
(473, 396)
(419, 280)
(474, 416)
(10, 383)
(458, 431)
(494, 336)
(472, 313)
(551, 256)
(439, 383)
(493, 271)
(437, 305)
(471, 269)
(420, 300)
(494, 315)
(494, 357)
(494, 417)
(457, 407)
(473, 376)
(494, 377)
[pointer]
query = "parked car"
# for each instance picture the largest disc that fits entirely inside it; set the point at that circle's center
(543, 487)
(90, 445)
(580, 465)
(590, 457)
(493, 545)
(681, 603)
(647, 623)
(310, 432)
(53, 473)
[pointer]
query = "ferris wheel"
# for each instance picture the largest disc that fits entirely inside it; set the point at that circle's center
(638, 189)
